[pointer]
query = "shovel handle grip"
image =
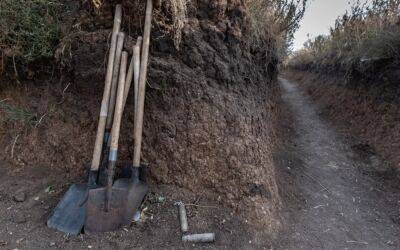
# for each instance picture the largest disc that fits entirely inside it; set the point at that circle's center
(106, 93)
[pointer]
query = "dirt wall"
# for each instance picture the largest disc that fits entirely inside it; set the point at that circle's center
(370, 112)
(209, 111)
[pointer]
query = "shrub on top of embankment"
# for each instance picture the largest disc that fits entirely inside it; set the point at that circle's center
(363, 42)
(33, 30)
(29, 29)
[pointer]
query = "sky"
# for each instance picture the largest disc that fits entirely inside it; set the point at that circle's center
(320, 15)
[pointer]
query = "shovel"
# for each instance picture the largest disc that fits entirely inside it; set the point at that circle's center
(102, 179)
(136, 186)
(132, 74)
(105, 205)
(69, 215)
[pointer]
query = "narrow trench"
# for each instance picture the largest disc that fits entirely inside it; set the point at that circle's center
(340, 206)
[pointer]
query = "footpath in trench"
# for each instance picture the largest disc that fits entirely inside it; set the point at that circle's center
(344, 206)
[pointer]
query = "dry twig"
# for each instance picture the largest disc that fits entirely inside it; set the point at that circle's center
(13, 146)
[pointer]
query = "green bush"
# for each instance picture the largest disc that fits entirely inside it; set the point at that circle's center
(29, 29)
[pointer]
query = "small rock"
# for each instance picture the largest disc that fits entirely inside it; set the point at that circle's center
(19, 218)
(161, 199)
(19, 197)
(49, 190)
(137, 217)
(260, 190)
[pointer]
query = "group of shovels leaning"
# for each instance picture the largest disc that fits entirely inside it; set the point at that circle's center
(101, 206)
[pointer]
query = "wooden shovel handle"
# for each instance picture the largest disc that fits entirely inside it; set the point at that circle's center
(119, 102)
(133, 71)
(116, 127)
(114, 82)
(136, 53)
(106, 93)
(142, 84)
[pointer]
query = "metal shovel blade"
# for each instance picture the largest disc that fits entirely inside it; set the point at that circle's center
(69, 215)
(97, 218)
(135, 193)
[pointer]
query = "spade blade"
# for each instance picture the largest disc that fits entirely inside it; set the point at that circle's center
(69, 215)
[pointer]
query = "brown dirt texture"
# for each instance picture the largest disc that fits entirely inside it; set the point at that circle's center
(335, 196)
(209, 134)
(370, 114)
(27, 202)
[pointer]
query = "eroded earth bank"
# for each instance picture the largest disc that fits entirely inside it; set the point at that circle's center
(209, 133)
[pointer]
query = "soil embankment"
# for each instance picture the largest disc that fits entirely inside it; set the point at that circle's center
(367, 111)
(209, 127)
(334, 196)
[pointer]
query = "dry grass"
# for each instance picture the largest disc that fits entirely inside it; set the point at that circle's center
(368, 34)
(29, 29)
(179, 16)
(269, 21)
(277, 19)
(13, 114)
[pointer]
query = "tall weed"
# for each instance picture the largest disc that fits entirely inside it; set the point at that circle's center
(368, 34)
(278, 19)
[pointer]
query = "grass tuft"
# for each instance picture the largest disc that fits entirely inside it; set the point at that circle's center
(29, 29)
(16, 114)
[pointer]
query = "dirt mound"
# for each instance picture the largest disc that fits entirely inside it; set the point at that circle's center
(209, 112)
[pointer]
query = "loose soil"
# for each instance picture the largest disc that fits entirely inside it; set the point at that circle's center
(335, 196)
(28, 196)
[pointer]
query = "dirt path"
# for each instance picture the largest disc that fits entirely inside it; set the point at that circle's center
(341, 202)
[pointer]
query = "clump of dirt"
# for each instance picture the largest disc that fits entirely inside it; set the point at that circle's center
(209, 112)
(366, 111)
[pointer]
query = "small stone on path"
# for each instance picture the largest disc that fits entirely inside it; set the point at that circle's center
(19, 218)
(19, 197)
